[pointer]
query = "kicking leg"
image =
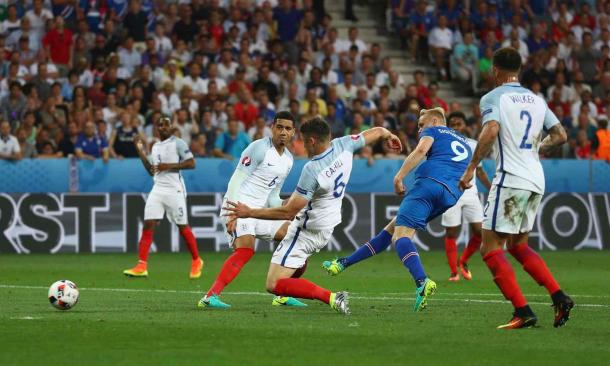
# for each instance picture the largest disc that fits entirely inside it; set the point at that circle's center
(407, 253)
(141, 269)
(244, 250)
(280, 282)
(374, 246)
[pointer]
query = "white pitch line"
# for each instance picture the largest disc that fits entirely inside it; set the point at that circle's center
(248, 293)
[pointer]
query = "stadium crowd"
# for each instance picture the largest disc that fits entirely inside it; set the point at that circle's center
(83, 77)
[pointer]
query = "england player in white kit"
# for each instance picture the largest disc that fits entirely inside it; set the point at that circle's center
(257, 182)
(513, 120)
(168, 195)
(468, 208)
(315, 209)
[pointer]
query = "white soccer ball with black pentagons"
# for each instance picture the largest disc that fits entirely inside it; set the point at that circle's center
(63, 294)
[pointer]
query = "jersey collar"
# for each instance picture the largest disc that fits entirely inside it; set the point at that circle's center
(322, 155)
(512, 83)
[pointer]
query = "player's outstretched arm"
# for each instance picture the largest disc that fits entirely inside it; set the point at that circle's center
(371, 136)
(557, 136)
(488, 135)
(287, 212)
(139, 143)
(415, 157)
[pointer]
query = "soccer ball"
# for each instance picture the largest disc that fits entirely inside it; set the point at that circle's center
(63, 294)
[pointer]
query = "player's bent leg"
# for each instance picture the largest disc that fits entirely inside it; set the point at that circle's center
(536, 267)
(281, 232)
(504, 277)
(473, 246)
(372, 247)
(451, 234)
(141, 269)
(196, 261)
(408, 255)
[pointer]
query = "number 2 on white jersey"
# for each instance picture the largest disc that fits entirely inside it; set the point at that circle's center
(459, 150)
(524, 144)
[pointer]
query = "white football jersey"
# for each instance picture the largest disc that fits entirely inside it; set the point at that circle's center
(267, 170)
(472, 190)
(170, 151)
(323, 182)
(522, 115)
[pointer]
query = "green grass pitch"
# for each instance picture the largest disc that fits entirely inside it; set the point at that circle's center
(154, 321)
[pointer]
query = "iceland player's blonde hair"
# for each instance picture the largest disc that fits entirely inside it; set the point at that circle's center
(437, 112)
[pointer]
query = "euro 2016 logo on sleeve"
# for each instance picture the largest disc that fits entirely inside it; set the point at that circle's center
(246, 161)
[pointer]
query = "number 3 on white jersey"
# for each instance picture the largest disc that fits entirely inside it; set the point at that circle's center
(459, 150)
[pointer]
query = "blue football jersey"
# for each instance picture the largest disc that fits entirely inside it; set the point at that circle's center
(447, 159)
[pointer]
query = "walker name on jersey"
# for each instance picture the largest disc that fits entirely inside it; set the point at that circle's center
(522, 98)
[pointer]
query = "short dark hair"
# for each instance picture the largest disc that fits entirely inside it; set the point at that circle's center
(456, 114)
(316, 127)
(507, 59)
(284, 115)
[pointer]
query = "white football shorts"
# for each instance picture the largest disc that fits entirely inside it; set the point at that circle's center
(510, 210)
(299, 244)
(172, 204)
(468, 206)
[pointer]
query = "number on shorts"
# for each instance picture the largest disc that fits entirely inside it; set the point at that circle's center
(279, 247)
(180, 212)
(459, 150)
(272, 183)
(524, 144)
(339, 186)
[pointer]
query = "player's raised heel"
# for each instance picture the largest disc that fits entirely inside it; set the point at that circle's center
(196, 268)
(562, 311)
(465, 271)
(333, 267)
(422, 293)
(139, 270)
(287, 301)
(339, 301)
(454, 277)
(212, 302)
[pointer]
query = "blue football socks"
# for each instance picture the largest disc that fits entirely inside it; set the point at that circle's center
(374, 246)
(408, 256)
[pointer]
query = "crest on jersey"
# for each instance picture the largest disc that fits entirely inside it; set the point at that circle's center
(246, 161)
(355, 137)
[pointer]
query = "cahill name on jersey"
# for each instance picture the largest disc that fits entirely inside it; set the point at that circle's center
(522, 116)
(170, 151)
(266, 169)
(323, 182)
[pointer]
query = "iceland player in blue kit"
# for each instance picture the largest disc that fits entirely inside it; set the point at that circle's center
(435, 190)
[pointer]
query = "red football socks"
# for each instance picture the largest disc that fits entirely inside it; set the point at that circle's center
(145, 243)
(452, 253)
(301, 288)
(504, 276)
(230, 269)
(473, 245)
(535, 266)
(191, 242)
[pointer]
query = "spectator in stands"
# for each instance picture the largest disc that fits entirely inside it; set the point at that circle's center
(439, 40)
(68, 142)
(13, 106)
(586, 102)
(90, 145)
(587, 57)
(10, 149)
(603, 140)
(464, 62)
(259, 130)
(420, 24)
(231, 143)
(312, 98)
(58, 45)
